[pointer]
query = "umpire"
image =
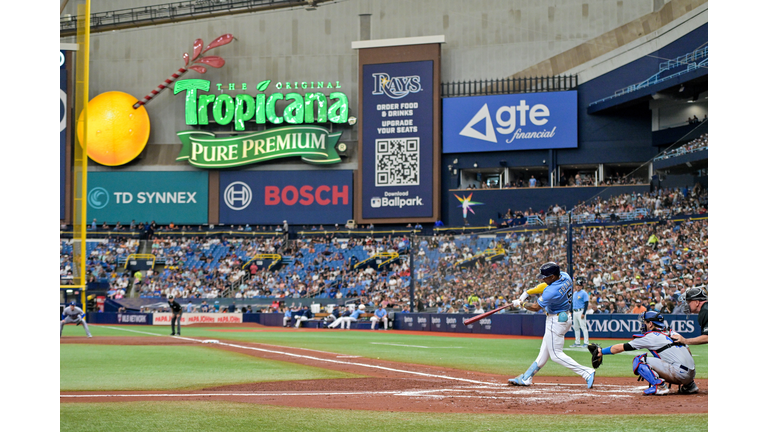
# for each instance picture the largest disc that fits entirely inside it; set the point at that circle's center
(176, 317)
(697, 303)
(696, 298)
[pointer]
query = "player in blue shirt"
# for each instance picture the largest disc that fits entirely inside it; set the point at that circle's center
(380, 314)
(556, 301)
(580, 302)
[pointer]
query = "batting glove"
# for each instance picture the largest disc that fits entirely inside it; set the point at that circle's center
(516, 303)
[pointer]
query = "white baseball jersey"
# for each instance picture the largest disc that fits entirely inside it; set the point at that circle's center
(655, 342)
(73, 314)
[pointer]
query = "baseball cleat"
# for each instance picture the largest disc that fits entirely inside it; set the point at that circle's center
(575, 346)
(92, 336)
(658, 390)
(519, 381)
(690, 388)
(590, 380)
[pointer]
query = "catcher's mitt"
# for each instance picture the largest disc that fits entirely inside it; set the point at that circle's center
(597, 358)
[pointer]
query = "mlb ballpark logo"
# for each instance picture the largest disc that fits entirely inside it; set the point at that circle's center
(376, 202)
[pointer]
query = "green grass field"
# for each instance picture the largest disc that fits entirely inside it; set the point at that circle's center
(116, 367)
(499, 356)
(229, 417)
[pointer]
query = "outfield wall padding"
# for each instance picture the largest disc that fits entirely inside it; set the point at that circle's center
(621, 326)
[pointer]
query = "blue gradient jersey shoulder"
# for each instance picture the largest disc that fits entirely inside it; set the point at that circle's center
(510, 122)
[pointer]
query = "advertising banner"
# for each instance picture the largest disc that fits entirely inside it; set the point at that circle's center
(164, 318)
(299, 197)
(144, 196)
(625, 325)
(397, 147)
(529, 121)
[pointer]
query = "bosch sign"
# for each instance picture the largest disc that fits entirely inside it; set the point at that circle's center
(270, 197)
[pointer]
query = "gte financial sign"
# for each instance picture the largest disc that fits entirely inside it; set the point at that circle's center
(510, 122)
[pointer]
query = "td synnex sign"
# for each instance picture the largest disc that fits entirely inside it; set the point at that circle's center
(178, 197)
(510, 122)
(300, 197)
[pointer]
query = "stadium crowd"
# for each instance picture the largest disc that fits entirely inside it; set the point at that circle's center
(624, 268)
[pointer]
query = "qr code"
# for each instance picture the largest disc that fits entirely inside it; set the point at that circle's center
(397, 162)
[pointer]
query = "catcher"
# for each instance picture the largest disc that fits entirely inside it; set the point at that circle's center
(671, 362)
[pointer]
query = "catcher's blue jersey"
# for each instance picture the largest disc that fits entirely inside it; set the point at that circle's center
(556, 297)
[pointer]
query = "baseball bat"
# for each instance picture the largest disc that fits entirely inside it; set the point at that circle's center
(483, 315)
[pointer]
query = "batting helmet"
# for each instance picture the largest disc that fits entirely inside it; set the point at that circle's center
(548, 269)
(652, 316)
(695, 294)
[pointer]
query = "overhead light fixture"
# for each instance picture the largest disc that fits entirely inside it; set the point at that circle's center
(682, 87)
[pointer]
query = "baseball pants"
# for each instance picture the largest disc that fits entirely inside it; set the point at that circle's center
(552, 347)
(299, 320)
(341, 321)
(376, 319)
(69, 320)
(286, 321)
(580, 325)
(176, 320)
(671, 373)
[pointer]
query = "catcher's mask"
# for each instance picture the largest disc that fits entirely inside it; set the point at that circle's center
(655, 318)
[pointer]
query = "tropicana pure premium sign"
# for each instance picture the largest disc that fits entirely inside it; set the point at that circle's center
(299, 136)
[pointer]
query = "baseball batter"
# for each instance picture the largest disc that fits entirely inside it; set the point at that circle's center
(74, 315)
(671, 361)
(556, 301)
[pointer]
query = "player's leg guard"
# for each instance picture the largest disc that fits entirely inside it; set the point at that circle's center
(640, 368)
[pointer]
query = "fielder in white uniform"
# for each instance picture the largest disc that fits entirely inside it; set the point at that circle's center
(74, 315)
(556, 300)
(580, 302)
(671, 361)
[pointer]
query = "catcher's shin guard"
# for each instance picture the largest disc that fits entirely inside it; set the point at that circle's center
(644, 371)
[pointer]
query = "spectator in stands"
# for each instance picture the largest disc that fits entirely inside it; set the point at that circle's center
(532, 182)
(639, 308)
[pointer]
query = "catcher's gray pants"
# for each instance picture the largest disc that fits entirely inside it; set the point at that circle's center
(671, 373)
(69, 320)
